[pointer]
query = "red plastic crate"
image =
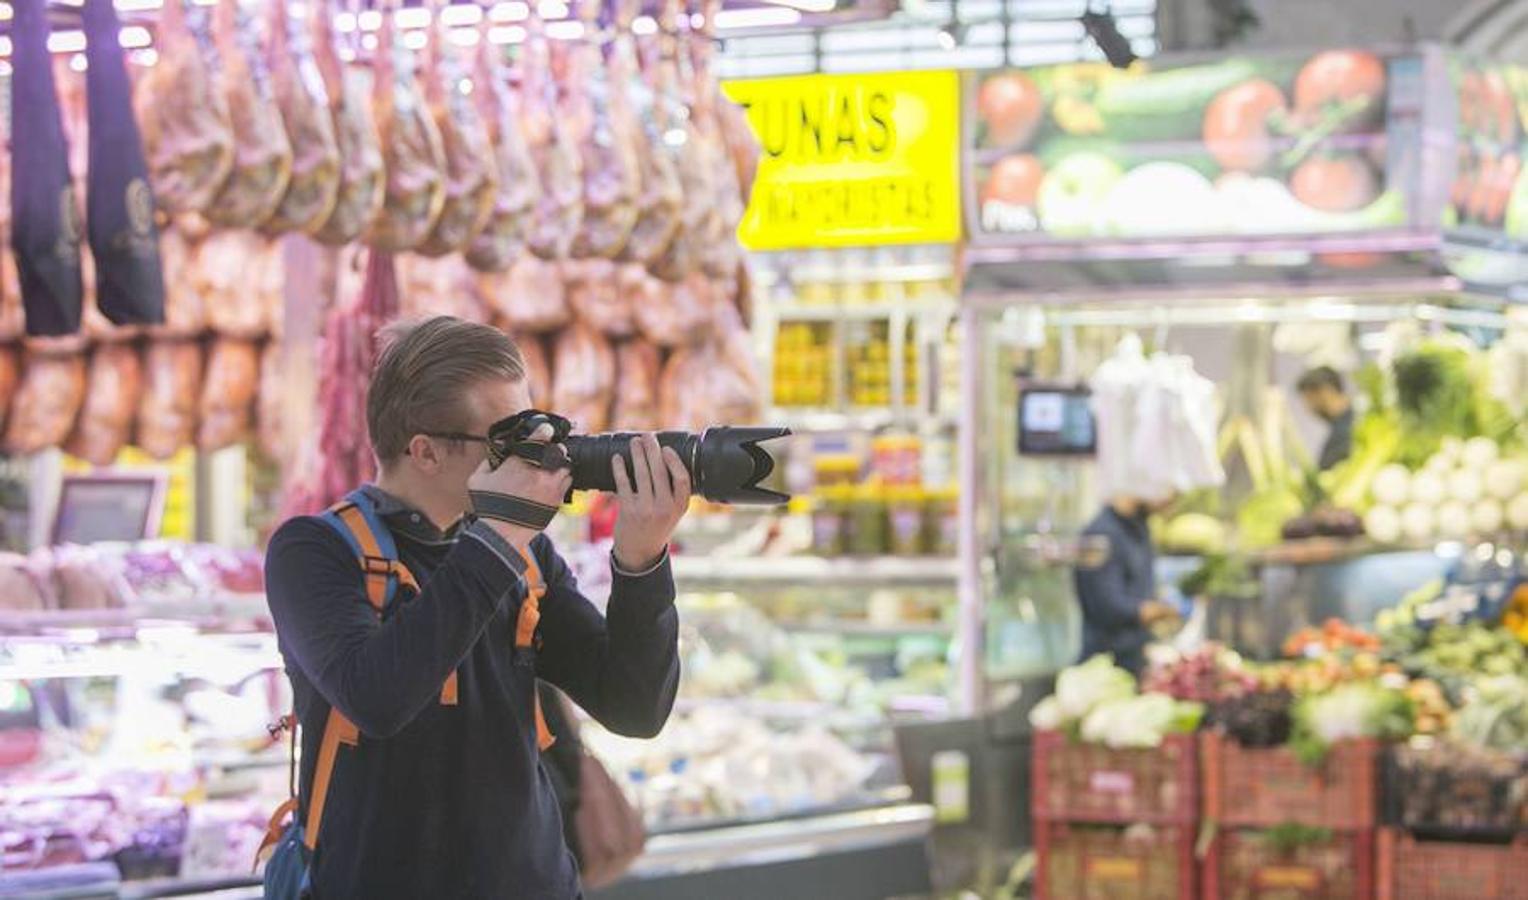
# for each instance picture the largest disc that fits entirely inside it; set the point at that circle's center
(1411, 869)
(1086, 861)
(1261, 788)
(1243, 864)
(1079, 782)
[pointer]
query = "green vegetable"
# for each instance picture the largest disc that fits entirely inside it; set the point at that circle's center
(1194, 533)
(1167, 105)
(1220, 576)
(1127, 155)
(1361, 709)
(1495, 714)
(1443, 390)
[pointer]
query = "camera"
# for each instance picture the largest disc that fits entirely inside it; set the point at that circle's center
(726, 463)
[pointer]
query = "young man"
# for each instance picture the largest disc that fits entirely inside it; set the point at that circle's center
(442, 792)
(1118, 595)
(1326, 396)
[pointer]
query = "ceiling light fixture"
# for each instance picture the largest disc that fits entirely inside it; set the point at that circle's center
(811, 6)
(509, 12)
(757, 17)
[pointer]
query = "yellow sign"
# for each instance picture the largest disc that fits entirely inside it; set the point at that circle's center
(853, 160)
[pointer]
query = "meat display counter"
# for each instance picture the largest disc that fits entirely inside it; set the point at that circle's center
(133, 739)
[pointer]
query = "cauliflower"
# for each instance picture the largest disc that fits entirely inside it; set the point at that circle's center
(1081, 688)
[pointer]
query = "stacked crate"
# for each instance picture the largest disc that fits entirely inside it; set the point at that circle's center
(1114, 823)
(1474, 849)
(1284, 828)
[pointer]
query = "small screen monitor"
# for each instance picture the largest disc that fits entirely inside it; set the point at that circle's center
(1056, 421)
(94, 508)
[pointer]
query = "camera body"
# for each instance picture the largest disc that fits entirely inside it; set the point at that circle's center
(726, 463)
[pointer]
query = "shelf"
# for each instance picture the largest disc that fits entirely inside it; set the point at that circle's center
(856, 628)
(236, 613)
(870, 273)
(809, 420)
(874, 310)
(813, 570)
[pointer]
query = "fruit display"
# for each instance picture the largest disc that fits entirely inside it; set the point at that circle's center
(1465, 489)
(1334, 634)
(1460, 651)
(1277, 145)
(1209, 675)
(1490, 187)
(1515, 619)
(1099, 702)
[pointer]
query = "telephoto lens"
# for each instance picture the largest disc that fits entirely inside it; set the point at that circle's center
(726, 464)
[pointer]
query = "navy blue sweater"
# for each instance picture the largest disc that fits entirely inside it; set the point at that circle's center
(452, 801)
(1111, 594)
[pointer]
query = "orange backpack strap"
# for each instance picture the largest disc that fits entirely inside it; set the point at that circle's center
(525, 631)
(356, 520)
(337, 730)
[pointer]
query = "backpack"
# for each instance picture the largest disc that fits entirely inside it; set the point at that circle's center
(290, 846)
(609, 830)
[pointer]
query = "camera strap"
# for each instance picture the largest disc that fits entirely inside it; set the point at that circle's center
(512, 509)
(512, 437)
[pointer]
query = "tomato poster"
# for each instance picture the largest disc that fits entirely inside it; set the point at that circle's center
(1253, 146)
(853, 160)
(1490, 188)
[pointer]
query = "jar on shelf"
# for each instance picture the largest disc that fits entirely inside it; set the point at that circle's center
(905, 505)
(836, 469)
(897, 458)
(867, 521)
(830, 515)
(941, 520)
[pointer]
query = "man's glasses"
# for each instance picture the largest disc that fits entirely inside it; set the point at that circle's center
(455, 436)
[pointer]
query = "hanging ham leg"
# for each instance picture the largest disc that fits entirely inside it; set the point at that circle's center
(606, 133)
(228, 393)
(105, 423)
(559, 169)
(362, 180)
(187, 138)
(660, 202)
(720, 253)
(262, 154)
(45, 214)
(502, 240)
(411, 149)
(172, 373)
(303, 105)
(471, 178)
(47, 401)
(583, 378)
(697, 173)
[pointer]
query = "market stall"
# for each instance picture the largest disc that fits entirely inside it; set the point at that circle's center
(1137, 234)
(1308, 227)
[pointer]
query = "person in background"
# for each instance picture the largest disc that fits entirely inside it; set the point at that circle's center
(1326, 396)
(1119, 594)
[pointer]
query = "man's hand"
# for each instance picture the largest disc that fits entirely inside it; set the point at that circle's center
(651, 508)
(1154, 611)
(518, 478)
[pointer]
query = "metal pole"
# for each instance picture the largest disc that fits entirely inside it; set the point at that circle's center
(970, 628)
